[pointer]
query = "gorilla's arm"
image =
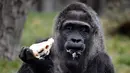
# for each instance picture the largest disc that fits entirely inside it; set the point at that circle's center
(25, 68)
(100, 64)
(33, 63)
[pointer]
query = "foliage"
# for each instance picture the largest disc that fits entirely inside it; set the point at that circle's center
(9, 66)
(119, 49)
(37, 26)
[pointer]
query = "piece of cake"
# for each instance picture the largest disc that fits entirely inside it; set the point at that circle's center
(42, 48)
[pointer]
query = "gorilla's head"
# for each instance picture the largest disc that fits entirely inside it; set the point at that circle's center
(77, 31)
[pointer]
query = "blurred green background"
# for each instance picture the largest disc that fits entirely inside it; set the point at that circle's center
(39, 25)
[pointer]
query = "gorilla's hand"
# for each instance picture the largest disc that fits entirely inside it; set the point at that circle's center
(26, 55)
(36, 52)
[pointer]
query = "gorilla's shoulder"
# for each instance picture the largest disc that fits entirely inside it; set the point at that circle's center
(101, 57)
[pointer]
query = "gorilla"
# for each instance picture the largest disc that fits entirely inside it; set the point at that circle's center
(78, 45)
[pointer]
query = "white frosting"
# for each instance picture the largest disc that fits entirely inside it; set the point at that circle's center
(74, 55)
(42, 48)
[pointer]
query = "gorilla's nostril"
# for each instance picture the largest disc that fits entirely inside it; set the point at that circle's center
(78, 40)
(75, 40)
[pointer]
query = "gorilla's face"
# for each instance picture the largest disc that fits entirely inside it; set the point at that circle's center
(74, 33)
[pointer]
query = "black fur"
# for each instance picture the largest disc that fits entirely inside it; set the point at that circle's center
(92, 59)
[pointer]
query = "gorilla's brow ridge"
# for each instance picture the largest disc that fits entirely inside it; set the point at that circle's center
(76, 22)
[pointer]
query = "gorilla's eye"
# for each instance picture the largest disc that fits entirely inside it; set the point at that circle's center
(69, 27)
(85, 29)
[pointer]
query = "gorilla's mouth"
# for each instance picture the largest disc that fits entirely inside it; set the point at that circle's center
(75, 50)
(75, 54)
